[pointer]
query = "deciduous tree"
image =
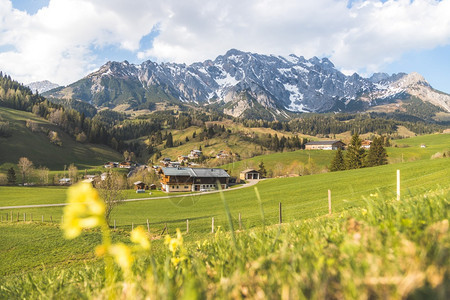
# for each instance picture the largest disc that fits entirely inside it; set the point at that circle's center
(25, 166)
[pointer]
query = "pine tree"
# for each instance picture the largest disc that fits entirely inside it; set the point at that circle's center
(355, 154)
(169, 141)
(11, 176)
(338, 162)
(262, 170)
(377, 155)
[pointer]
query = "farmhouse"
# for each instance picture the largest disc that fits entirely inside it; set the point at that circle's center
(195, 154)
(139, 185)
(249, 174)
(126, 164)
(192, 179)
(111, 164)
(324, 145)
(366, 144)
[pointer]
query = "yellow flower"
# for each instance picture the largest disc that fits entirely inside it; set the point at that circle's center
(174, 243)
(139, 236)
(122, 256)
(85, 209)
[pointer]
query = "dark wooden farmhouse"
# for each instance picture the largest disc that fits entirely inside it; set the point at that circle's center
(192, 179)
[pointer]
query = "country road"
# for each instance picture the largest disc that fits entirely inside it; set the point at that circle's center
(248, 184)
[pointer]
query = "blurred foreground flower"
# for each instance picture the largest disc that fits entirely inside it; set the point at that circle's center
(85, 209)
(139, 236)
(122, 256)
(174, 243)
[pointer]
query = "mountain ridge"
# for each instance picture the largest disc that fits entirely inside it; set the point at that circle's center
(244, 84)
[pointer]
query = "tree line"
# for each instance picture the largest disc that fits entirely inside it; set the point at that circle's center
(357, 157)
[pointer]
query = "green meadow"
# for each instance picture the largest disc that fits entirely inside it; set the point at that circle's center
(301, 197)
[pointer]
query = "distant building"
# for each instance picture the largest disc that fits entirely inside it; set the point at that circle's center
(366, 144)
(193, 179)
(111, 164)
(139, 185)
(65, 181)
(195, 154)
(324, 145)
(126, 164)
(183, 158)
(249, 174)
(223, 154)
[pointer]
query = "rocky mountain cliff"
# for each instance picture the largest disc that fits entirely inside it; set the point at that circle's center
(245, 84)
(42, 86)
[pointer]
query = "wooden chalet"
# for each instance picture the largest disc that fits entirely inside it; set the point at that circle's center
(139, 185)
(249, 174)
(324, 145)
(192, 179)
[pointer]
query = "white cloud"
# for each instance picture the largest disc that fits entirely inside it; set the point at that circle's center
(57, 42)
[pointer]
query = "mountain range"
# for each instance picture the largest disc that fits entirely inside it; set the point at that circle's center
(247, 85)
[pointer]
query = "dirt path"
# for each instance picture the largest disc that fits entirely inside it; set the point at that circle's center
(248, 184)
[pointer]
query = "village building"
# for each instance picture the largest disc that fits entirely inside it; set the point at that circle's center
(223, 154)
(111, 164)
(140, 187)
(183, 158)
(324, 145)
(165, 161)
(193, 179)
(195, 154)
(65, 181)
(366, 144)
(249, 174)
(126, 164)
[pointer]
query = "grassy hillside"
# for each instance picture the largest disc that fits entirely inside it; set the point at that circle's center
(37, 147)
(298, 161)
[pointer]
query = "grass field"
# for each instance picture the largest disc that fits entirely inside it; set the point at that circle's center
(301, 197)
(37, 147)
(407, 150)
(388, 249)
(328, 265)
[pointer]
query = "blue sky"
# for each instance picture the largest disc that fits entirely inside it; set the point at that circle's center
(64, 40)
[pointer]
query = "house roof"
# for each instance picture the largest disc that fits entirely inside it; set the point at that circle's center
(249, 170)
(323, 142)
(195, 172)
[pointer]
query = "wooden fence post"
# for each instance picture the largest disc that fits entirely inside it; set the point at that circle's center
(212, 225)
(17, 217)
(31, 217)
(187, 225)
(240, 222)
(42, 218)
(329, 202)
(24, 217)
(148, 227)
(280, 214)
(51, 219)
(398, 185)
(114, 224)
